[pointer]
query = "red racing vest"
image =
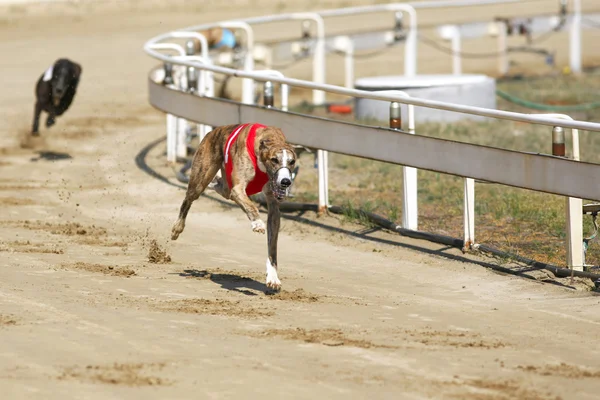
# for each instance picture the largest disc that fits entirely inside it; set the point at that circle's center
(260, 178)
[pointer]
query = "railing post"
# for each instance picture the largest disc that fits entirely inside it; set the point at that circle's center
(469, 214)
(452, 33)
(456, 49)
(502, 48)
(409, 203)
(168, 68)
(171, 119)
(395, 115)
(268, 98)
(558, 142)
(410, 49)
(574, 210)
(575, 38)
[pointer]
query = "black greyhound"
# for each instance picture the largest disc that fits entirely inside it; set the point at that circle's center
(55, 91)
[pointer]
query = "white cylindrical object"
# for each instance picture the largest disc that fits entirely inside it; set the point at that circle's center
(180, 136)
(469, 214)
(574, 233)
(285, 93)
(410, 207)
(502, 49)
(575, 38)
(322, 179)
(573, 211)
(349, 64)
(456, 49)
(319, 59)
(410, 46)
(326, 176)
(171, 138)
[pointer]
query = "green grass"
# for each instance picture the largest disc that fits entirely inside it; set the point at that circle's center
(524, 222)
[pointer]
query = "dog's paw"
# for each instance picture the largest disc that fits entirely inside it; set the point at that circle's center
(176, 231)
(258, 226)
(273, 281)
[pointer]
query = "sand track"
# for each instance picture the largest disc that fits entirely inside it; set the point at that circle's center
(97, 303)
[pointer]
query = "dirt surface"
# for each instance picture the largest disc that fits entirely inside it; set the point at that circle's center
(86, 314)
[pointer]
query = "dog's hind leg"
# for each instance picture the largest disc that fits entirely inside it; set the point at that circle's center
(220, 186)
(203, 171)
(273, 221)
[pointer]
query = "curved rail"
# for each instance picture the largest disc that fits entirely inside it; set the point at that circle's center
(531, 171)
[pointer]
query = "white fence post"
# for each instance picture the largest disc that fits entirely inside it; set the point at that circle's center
(410, 53)
(410, 214)
(410, 208)
(319, 59)
(502, 49)
(469, 214)
(171, 138)
(574, 206)
(452, 33)
(575, 38)
(346, 45)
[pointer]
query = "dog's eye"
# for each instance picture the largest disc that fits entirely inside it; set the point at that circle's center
(274, 160)
(292, 162)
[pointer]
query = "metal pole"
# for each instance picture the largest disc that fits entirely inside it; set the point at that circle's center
(284, 96)
(171, 138)
(168, 80)
(558, 141)
(502, 48)
(410, 49)
(192, 87)
(319, 53)
(322, 182)
(409, 203)
(575, 38)
(395, 115)
(456, 48)
(268, 98)
(410, 211)
(171, 119)
(469, 214)
(574, 214)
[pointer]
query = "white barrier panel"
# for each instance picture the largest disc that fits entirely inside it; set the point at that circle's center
(525, 170)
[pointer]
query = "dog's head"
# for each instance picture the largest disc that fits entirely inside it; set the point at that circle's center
(65, 74)
(279, 160)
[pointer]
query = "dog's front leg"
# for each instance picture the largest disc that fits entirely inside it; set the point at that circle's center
(273, 220)
(36, 118)
(238, 194)
(50, 119)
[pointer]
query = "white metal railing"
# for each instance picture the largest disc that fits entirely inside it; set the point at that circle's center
(454, 33)
(154, 47)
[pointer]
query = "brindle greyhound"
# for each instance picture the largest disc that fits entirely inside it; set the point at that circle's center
(252, 158)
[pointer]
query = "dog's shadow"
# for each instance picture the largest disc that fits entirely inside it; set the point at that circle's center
(233, 282)
(50, 156)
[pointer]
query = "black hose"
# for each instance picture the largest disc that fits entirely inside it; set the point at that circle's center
(435, 238)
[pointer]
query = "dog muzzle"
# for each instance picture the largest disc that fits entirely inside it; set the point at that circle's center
(281, 183)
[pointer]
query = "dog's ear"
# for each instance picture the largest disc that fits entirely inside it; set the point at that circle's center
(76, 70)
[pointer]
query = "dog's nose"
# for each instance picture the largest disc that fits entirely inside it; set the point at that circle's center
(286, 182)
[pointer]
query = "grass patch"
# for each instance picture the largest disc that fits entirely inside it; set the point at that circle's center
(524, 222)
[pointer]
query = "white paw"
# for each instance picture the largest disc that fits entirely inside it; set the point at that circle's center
(258, 226)
(273, 281)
